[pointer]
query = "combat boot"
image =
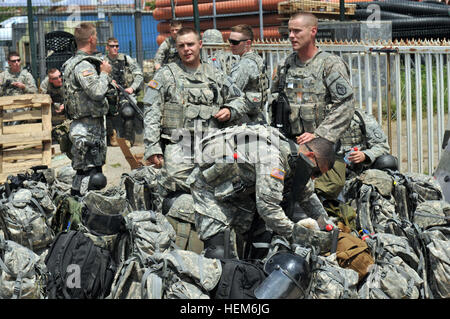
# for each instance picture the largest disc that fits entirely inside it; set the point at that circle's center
(113, 139)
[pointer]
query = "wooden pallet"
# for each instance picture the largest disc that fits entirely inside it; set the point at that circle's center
(315, 7)
(27, 143)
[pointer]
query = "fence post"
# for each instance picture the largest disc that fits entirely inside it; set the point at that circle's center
(138, 32)
(32, 39)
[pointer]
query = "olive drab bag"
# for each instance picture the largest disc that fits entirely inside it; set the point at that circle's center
(353, 253)
(23, 275)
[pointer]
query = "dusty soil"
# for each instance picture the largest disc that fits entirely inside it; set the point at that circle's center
(115, 165)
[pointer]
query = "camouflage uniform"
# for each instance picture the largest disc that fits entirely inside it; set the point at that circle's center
(23, 76)
(250, 76)
(57, 95)
(85, 103)
(221, 59)
(224, 191)
(167, 52)
(320, 94)
(127, 73)
(366, 134)
(175, 100)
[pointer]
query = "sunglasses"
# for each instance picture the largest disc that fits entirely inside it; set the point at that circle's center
(316, 172)
(56, 78)
(113, 45)
(14, 61)
(236, 42)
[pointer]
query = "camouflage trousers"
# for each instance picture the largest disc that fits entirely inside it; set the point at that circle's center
(213, 216)
(88, 137)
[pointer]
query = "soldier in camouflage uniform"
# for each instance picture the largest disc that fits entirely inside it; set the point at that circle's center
(53, 86)
(15, 80)
(367, 135)
(249, 74)
(86, 79)
(231, 175)
(221, 59)
(128, 74)
(318, 87)
(167, 51)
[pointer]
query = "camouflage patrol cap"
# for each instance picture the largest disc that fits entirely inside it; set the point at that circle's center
(212, 36)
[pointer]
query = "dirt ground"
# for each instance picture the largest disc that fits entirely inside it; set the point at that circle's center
(115, 165)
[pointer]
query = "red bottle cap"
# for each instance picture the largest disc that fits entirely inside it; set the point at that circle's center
(329, 227)
(235, 156)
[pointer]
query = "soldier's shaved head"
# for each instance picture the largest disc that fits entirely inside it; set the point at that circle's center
(309, 19)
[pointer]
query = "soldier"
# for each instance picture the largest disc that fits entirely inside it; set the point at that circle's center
(86, 79)
(167, 51)
(367, 135)
(249, 74)
(221, 59)
(15, 80)
(244, 163)
(183, 94)
(318, 88)
(53, 86)
(127, 73)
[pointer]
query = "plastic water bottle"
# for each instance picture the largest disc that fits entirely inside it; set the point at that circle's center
(346, 160)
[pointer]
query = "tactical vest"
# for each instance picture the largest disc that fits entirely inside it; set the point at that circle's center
(307, 93)
(76, 102)
(355, 135)
(121, 71)
(259, 85)
(57, 94)
(172, 54)
(192, 100)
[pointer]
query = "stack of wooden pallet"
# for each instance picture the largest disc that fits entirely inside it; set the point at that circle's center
(318, 8)
(25, 133)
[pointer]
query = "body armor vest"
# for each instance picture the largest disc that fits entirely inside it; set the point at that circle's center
(7, 89)
(307, 93)
(260, 84)
(355, 135)
(76, 102)
(172, 55)
(121, 71)
(57, 94)
(194, 99)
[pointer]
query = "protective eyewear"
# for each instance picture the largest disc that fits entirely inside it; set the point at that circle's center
(14, 61)
(316, 172)
(236, 42)
(113, 45)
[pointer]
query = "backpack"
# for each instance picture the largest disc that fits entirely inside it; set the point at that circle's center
(330, 281)
(394, 274)
(127, 280)
(239, 279)
(140, 185)
(437, 252)
(22, 273)
(77, 268)
(146, 232)
(26, 216)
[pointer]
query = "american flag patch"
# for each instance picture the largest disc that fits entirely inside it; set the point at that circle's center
(277, 173)
(153, 84)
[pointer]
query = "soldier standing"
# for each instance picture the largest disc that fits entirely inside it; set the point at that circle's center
(16, 80)
(183, 94)
(53, 86)
(86, 79)
(167, 51)
(249, 73)
(221, 59)
(318, 88)
(238, 183)
(127, 73)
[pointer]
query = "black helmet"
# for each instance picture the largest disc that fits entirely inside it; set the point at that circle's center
(97, 181)
(288, 276)
(386, 161)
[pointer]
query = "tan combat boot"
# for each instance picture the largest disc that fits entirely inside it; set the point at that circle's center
(113, 139)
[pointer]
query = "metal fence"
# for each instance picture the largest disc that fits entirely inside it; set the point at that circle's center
(410, 81)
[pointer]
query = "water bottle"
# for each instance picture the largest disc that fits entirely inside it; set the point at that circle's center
(346, 160)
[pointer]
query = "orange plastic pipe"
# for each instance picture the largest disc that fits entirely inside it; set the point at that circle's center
(223, 7)
(166, 3)
(269, 33)
(226, 23)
